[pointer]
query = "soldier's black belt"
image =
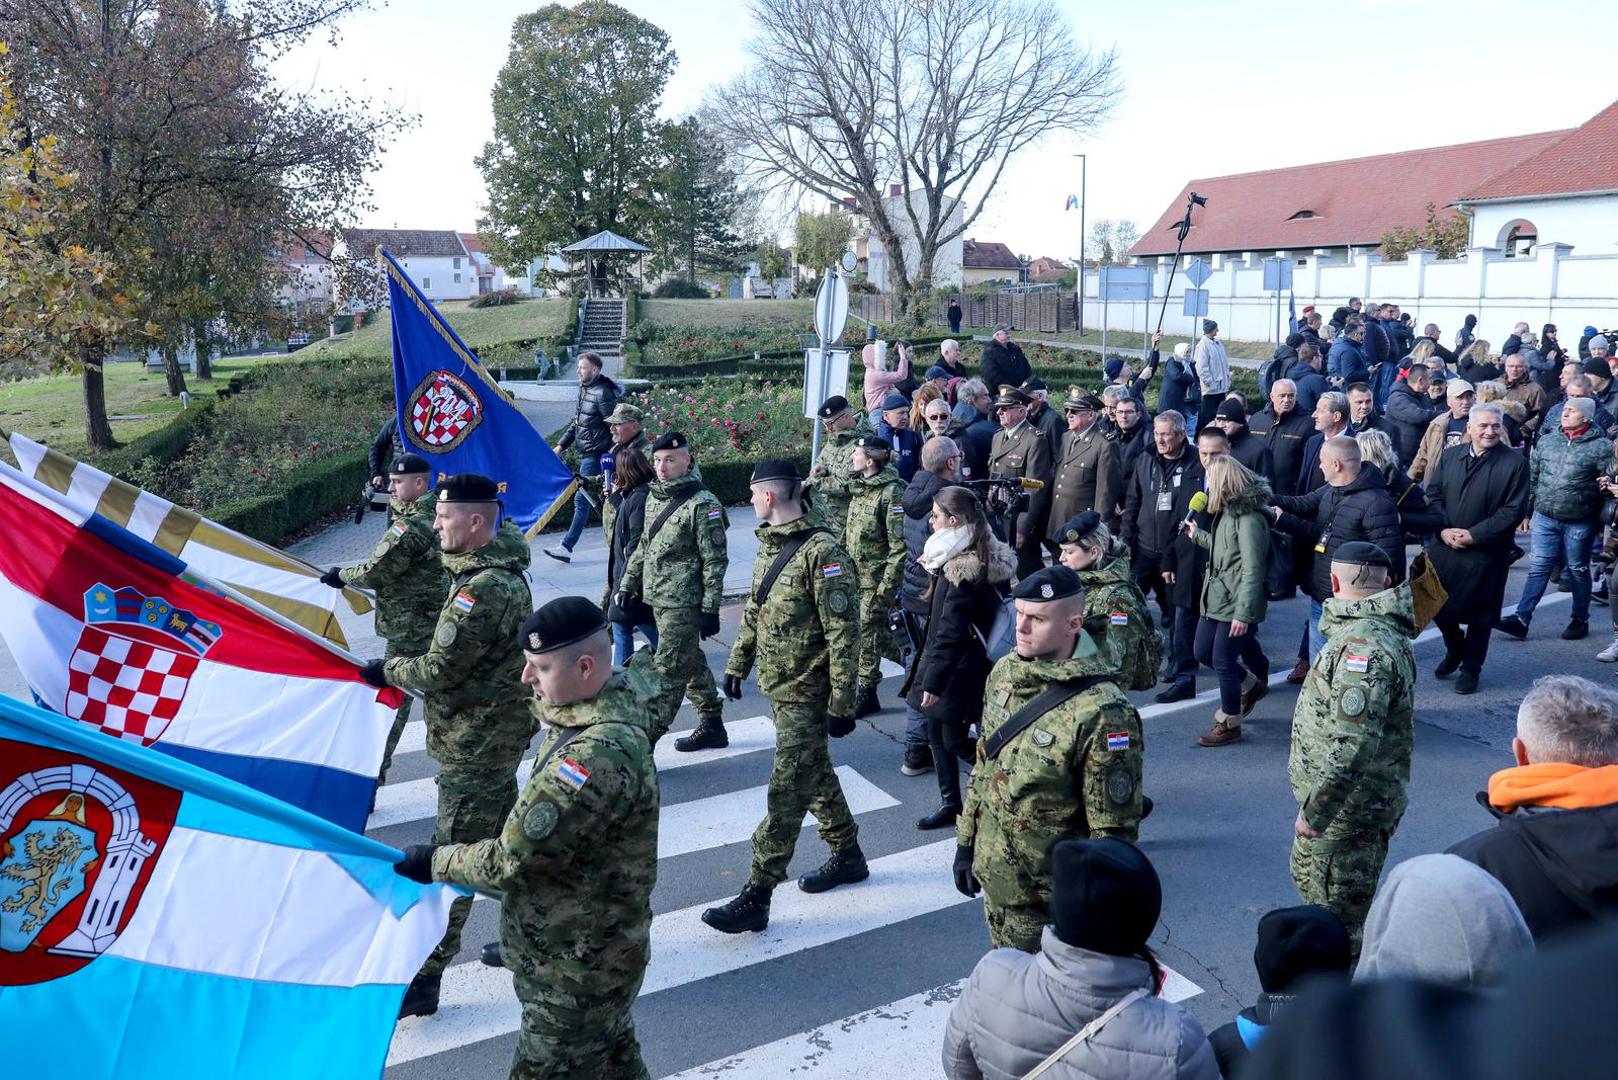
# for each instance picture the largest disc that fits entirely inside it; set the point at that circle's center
(1047, 699)
(788, 549)
(679, 500)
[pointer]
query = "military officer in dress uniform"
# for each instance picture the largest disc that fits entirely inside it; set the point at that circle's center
(1059, 759)
(1085, 475)
(1020, 452)
(576, 859)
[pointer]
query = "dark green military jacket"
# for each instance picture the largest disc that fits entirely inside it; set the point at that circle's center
(1073, 774)
(1352, 729)
(576, 860)
(1115, 615)
(805, 636)
(406, 574)
(684, 563)
(874, 532)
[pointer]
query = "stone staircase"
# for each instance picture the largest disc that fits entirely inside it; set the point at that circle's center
(601, 331)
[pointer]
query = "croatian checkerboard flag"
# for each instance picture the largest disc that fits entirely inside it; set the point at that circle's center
(453, 414)
(159, 920)
(122, 637)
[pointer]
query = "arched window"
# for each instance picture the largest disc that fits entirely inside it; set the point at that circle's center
(1518, 238)
(1303, 215)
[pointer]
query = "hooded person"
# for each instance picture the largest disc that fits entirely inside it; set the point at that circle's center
(1297, 947)
(1180, 391)
(1442, 919)
(1087, 1003)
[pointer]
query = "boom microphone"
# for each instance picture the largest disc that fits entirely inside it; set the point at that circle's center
(1199, 503)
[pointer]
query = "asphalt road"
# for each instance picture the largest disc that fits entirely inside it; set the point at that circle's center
(858, 981)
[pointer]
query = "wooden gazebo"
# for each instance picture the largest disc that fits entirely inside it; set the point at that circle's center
(604, 243)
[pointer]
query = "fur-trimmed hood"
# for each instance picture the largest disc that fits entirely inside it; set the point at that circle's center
(1254, 500)
(966, 567)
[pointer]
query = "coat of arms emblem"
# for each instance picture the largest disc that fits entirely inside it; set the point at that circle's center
(78, 841)
(133, 661)
(443, 412)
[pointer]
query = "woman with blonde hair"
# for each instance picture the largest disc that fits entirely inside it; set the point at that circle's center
(1422, 353)
(924, 395)
(1233, 596)
(1472, 363)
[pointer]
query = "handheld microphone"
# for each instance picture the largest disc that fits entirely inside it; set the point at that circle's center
(1030, 485)
(1199, 503)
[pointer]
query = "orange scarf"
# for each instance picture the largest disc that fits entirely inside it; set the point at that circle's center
(1555, 784)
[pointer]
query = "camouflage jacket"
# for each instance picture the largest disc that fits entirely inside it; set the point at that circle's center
(874, 532)
(1073, 774)
(1351, 732)
(683, 565)
(832, 476)
(475, 658)
(805, 636)
(576, 860)
(407, 574)
(1115, 615)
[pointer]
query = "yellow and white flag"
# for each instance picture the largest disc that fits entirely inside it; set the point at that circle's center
(279, 581)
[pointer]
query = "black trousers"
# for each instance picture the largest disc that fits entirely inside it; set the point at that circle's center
(1471, 645)
(1278, 570)
(947, 750)
(1231, 658)
(1205, 414)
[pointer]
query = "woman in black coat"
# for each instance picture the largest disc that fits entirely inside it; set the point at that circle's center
(970, 571)
(632, 478)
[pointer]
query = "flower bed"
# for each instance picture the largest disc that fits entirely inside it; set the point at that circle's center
(730, 419)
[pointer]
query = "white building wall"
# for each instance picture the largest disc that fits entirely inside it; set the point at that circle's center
(946, 262)
(1589, 222)
(436, 276)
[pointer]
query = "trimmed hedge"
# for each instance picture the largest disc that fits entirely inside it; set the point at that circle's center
(325, 487)
(725, 365)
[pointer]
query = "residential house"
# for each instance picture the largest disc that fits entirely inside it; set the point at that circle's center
(487, 277)
(873, 256)
(305, 285)
(985, 262)
(436, 259)
(1045, 270)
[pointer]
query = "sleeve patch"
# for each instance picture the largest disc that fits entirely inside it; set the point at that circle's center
(572, 774)
(444, 636)
(831, 569)
(1120, 784)
(896, 509)
(1119, 618)
(465, 601)
(1356, 663)
(540, 821)
(1353, 701)
(715, 514)
(837, 600)
(399, 528)
(1117, 740)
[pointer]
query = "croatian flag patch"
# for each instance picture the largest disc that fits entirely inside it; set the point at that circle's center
(572, 774)
(398, 528)
(1356, 663)
(896, 508)
(1119, 618)
(831, 569)
(715, 514)
(465, 601)
(1117, 740)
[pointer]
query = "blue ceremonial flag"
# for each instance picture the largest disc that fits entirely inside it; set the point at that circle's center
(452, 412)
(1292, 312)
(157, 919)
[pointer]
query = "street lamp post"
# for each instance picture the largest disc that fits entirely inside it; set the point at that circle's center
(1084, 174)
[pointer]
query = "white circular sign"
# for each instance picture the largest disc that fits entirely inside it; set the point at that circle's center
(850, 262)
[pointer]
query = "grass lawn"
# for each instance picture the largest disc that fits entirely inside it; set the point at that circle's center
(798, 314)
(51, 407)
(481, 328)
(1247, 350)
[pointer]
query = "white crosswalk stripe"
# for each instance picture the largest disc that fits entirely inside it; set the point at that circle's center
(729, 818)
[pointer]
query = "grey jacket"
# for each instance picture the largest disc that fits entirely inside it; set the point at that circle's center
(1016, 1009)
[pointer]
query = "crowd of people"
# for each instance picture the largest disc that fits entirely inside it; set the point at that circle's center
(1006, 549)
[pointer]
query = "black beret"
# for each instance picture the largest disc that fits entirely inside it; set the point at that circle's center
(1078, 527)
(560, 623)
(670, 440)
(1361, 553)
(774, 468)
(832, 407)
(873, 442)
(468, 488)
(1051, 583)
(409, 465)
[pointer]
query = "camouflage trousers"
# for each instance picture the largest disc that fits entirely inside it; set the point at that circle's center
(876, 639)
(474, 799)
(1019, 927)
(565, 1036)
(682, 668)
(402, 717)
(1339, 869)
(801, 779)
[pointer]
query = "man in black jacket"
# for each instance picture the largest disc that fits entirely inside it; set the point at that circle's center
(1285, 429)
(588, 433)
(1410, 410)
(1352, 504)
(1003, 361)
(1157, 497)
(1555, 842)
(1245, 447)
(1362, 412)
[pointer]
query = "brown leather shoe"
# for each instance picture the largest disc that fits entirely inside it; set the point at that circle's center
(1253, 691)
(1223, 732)
(1299, 672)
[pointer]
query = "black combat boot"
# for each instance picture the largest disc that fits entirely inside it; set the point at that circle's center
(865, 702)
(846, 866)
(709, 734)
(749, 911)
(491, 955)
(421, 996)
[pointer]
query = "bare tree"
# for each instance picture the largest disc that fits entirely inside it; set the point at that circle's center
(850, 96)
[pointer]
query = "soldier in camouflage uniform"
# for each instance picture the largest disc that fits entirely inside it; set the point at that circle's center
(623, 424)
(1351, 737)
(1066, 770)
(832, 477)
(574, 864)
(1115, 612)
(874, 536)
(478, 720)
(799, 626)
(678, 569)
(406, 574)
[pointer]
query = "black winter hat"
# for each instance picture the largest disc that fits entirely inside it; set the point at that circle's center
(560, 623)
(1231, 409)
(1105, 896)
(1298, 941)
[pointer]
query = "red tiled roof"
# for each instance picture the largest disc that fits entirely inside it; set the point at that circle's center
(473, 244)
(1583, 160)
(1353, 202)
(988, 255)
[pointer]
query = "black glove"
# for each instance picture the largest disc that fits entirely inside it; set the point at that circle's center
(838, 726)
(965, 883)
(621, 599)
(372, 673)
(332, 577)
(710, 624)
(733, 687)
(417, 864)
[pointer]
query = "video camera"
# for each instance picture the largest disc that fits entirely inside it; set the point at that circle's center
(371, 498)
(1004, 494)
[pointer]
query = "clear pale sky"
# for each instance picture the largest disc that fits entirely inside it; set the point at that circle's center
(1209, 89)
